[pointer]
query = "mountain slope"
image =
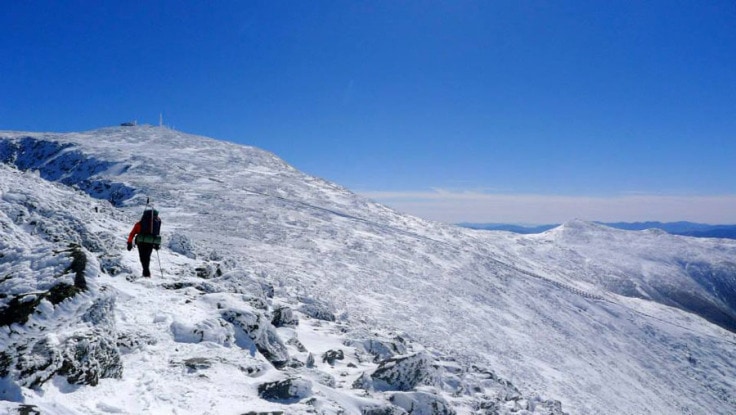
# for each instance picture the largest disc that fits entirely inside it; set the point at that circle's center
(238, 220)
(696, 275)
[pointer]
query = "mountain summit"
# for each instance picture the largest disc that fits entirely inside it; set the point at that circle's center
(278, 292)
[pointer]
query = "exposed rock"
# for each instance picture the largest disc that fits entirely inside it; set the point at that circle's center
(283, 316)
(294, 364)
(20, 307)
(382, 410)
(101, 313)
(184, 284)
(379, 348)
(402, 373)
(208, 270)
(271, 347)
(286, 391)
(296, 343)
(36, 362)
(195, 364)
(87, 359)
(316, 309)
(28, 410)
(330, 356)
(549, 407)
(83, 354)
(233, 279)
(78, 265)
(363, 381)
(128, 342)
(493, 395)
(261, 333)
(5, 362)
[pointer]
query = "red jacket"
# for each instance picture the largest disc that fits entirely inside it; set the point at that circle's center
(136, 230)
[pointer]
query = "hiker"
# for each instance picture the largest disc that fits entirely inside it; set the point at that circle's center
(146, 233)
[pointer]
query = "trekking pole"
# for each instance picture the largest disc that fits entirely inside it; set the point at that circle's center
(159, 264)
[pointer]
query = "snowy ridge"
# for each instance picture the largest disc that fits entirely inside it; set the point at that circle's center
(694, 275)
(284, 293)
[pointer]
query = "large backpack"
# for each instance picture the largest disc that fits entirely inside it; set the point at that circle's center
(150, 227)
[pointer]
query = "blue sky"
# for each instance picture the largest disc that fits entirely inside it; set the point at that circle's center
(490, 111)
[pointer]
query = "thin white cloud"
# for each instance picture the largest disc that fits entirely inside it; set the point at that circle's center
(469, 206)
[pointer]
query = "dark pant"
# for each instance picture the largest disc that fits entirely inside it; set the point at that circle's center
(144, 252)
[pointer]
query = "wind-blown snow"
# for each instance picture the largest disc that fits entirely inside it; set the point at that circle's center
(605, 321)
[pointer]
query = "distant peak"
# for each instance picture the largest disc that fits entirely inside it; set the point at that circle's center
(579, 224)
(576, 229)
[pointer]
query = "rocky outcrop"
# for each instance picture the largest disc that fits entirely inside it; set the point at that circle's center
(83, 358)
(418, 384)
(66, 330)
(16, 309)
(378, 347)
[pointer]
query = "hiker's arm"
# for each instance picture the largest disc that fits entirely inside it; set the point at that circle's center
(136, 230)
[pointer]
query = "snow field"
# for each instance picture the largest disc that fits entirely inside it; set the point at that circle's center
(512, 305)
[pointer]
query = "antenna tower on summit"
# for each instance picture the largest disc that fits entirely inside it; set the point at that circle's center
(161, 119)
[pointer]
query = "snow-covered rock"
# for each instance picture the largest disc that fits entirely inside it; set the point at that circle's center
(421, 403)
(403, 373)
(285, 391)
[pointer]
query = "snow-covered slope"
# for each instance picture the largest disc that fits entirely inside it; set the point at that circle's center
(427, 318)
(696, 275)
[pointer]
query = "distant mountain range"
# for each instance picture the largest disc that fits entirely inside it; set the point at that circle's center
(699, 230)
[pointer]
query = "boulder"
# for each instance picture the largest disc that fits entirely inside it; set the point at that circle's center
(87, 359)
(379, 348)
(260, 332)
(330, 356)
(402, 373)
(549, 407)
(316, 309)
(286, 391)
(83, 356)
(421, 403)
(283, 316)
(183, 245)
(212, 330)
(382, 410)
